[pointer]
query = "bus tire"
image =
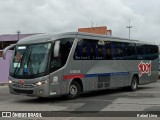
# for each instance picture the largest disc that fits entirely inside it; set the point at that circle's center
(74, 90)
(134, 83)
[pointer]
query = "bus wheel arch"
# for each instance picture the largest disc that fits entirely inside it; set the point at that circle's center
(80, 83)
(136, 75)
(75, 88)
(134, 83)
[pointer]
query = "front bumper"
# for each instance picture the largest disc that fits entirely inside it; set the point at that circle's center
(30, 90)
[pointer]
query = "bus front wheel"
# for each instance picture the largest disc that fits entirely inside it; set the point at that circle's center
(74, 90)
(134, 84)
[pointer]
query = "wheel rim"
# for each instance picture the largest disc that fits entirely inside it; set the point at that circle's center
(73, 90)
(134, 84)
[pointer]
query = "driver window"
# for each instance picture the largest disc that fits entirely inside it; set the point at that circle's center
(55, 61)
(64, 50)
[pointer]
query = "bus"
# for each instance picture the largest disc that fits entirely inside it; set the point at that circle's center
(75, 62)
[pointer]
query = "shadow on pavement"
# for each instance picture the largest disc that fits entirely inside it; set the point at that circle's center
(106, 94)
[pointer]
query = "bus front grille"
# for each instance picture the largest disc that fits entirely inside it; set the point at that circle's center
(23, 91)
(23, 86)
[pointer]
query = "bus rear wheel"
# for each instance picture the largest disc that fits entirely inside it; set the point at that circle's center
(74, 90)
(134, 84)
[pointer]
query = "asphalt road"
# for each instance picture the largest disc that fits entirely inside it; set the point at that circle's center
(146, 98)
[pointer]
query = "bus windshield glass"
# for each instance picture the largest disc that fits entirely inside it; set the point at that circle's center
(29, 60)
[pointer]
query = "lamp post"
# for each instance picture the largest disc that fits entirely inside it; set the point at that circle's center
(18, 33)
(129, 27)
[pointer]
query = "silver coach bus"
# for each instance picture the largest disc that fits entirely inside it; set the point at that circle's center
(71, 63)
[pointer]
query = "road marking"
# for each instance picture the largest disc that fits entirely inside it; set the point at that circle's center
(96, 100)
(130, 104)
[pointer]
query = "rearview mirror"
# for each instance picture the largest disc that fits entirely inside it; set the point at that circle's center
(5, 50)
(56, 48)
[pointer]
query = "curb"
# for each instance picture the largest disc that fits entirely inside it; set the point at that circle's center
(3, 84)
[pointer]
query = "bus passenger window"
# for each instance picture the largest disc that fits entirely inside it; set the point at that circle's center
(84, 51)
(91, 50)
(108, 54)
(100, 52)
(140, 52)
(88, 45)
(129, 51)
(117, 50)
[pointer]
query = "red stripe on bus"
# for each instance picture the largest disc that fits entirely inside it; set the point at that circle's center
(73, 76)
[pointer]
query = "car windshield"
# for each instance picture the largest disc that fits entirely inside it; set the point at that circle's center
(29, 60)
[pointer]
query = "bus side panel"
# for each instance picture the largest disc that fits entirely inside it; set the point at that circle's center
(150, 74)
(56, 82)
(98, 74)
(132, 68)
(76, 69)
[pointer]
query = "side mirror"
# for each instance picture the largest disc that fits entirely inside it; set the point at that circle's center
(5, 50)
(56, 48)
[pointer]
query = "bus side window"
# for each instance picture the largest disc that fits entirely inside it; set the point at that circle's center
(89, 50)
(117, 50)
(108, 51)
(55, 61)
(130, 51)
(84, 50)
(108, 54)
(60, 61)
(104, 52)
(65, 48)
(151, 52)
(140, 52)
(78, 50)
(100, 51)
(96, 51)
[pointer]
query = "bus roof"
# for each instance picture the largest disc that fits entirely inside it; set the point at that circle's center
(51, 37)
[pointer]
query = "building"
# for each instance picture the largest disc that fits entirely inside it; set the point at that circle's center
(6, 40)
(97, 30)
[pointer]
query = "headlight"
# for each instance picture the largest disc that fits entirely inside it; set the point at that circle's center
(9, 81)
(41, 82)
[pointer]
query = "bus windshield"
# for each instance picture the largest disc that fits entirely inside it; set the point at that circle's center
(29, 60)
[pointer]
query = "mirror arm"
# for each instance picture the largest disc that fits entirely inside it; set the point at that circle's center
(5, 50)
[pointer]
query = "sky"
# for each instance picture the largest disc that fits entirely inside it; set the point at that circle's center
(57, 16)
